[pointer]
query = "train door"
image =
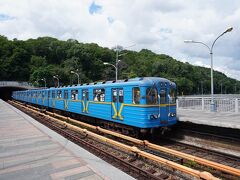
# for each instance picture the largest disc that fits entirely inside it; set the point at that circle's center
(85, 99)
(117, 103)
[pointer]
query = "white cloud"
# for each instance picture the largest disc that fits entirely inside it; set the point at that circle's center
(158, 25)
(200, 63)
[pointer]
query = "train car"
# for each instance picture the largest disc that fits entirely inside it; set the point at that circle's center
(140, 103)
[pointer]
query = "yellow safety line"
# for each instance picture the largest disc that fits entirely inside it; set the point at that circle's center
(141, 105)
(87, 106)
(66, 104)
(75, 100)
(99, 102)
(115, 111)
(120, 112)
(83, 103)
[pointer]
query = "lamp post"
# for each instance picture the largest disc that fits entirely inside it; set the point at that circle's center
(73, 72)
(211, 56)
(45, 83)
(56, 77)
(115, 66)
(118, 49)
(117, 62)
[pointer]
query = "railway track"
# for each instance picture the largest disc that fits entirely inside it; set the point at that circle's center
(107, 153)
(160, 161)
(211, 155)
(126, 161)
(225, 140)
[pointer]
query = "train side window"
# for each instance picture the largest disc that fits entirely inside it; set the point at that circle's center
(152, 96)
(114, 95)
(48, 94)
(163, 97)
(59, 94)
(65, 94)
(120, 96)
(53, 94)
(99, 95)
(136, 95)
(43, 94)
(74, 94)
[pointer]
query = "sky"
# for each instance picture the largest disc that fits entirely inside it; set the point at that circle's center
(158, 25)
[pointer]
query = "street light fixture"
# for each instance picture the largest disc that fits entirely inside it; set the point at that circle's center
(56, 77)
(118, 50)
(73, 72)
(45, 83)
(116, 67)
(211, 56)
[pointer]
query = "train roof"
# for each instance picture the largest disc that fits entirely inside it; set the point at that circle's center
(140, 81)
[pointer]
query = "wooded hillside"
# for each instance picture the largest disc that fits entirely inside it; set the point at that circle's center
(34, 59)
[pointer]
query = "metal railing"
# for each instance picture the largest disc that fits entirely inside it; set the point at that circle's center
(15, 84)
(223, 104)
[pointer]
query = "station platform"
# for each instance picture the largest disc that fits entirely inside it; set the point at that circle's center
(29, 150)
(217, 119)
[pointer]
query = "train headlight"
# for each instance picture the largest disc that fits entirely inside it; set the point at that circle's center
(171, 114)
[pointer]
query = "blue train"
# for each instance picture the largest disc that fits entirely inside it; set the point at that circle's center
(144, 104)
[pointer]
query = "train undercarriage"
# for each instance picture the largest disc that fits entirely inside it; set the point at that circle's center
(113, 126)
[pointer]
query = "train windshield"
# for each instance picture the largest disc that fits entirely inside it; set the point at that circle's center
(172, 95)
(152, 96)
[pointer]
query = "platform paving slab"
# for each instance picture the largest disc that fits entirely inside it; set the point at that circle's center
(30, 150)
(218, 119)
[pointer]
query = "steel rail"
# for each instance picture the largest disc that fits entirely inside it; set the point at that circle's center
(133, 149)
(217, 166)
(96, 150)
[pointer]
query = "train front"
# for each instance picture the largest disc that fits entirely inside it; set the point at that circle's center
(163, 94)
